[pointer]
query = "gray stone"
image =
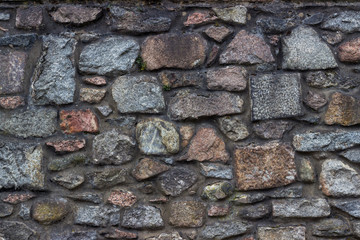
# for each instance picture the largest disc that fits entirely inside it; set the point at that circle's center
(67, 161)
(352, 155)
(301, 208)
(216, 170)
(142, 217)
(12, 230)
(167, 236)
(104, 110)
(233, 127)
(138, 94)
(24, 212)
(21, 40)
(332, 227)
(177, 180)
(69, 180)
(351, 207)
(109, 56)
(246, 198)
(87, 197)
(98, 216)
(275, 96)
(287, 192)
(321, 79)
(304, 50)
(356, 228)
(256, 211)
(274, 25)
(315, 19)
(222, 230)
(4, 16)
(272, 129)
(113, 147)
(217, 191)
(54, 81)
(236, 14)
(75, 235)
(306, 171)
(347, 22)
(281, 233)
(106, 177)
(5, 210)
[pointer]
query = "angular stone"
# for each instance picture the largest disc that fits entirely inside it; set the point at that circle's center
(272, 129)
(212, 55)
(217, 191)
(233, 127)
(74, 235)
(177, 180)
(97, 216)
(25, 211)
(113, 147)
(5, 210)
(218, 33)
(148, 168)
(68, 161)
(247, 48)
(222, 230)
(74, 121)
(343, 109)
(12, 230)
(69, 180)
(186, 133)
(315, 100)
(201, 17)
(138, 94)
(12, 71)
(333, 37)
(109, 56)
(349, 51)
(174, 79)
(15, 198)
(142, 217)
(352, 155)
(294, 191)
(257, 211)
(49, 211)
(321, 79)
(107, 177)
(246, 198)
(161, 51)
(117, 234)
(301, 208)
(347, 22)
(20, 40)
(216, 210)
(193, 105)
(275, 96)
(87, 197)
(4, 16)
(67, 145)
(167, 236)
(92, 95)
(314, 19)
(304, 50)
(105, 110)
(236, 14)
(29, 17)
(351, 207)
(356, 228)
(274, 25)
(306, 171)
(216, 170)
(281, 233)
(264, 166)
(187, 213)
(98, 81)
(333, 227)
(77, 15)
(54, 82)
(12, 102)
(121, 198)
(231, 78)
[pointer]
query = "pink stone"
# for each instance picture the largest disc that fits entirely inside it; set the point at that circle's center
(15, 198)
(218, 33)
(350, 51)
(218, 210)
(77, 15)
(29, 17)
(12, 102)
(99, 81)
(232, 78)
(122, 198)
(199, 18)
(74, 121)
(67, 145)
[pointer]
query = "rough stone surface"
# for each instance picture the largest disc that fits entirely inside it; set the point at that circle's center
(293, 191)
(233, 127)
(98, 216)
(304, 50)
(92, 95)
(349, 51)
(4, 16)
(5, 210)
(29, 18)
(333, 37)
(352, 155)
(216, 210)
(167, 236)
(222, 230)
(12, 71)
(229, 78)
(105, 110)
(122, 198)
(257, 211)
(236, 14)
(218, 33)
(274, 25)
(271, 129)
(67, 161)
(107, 177)
(50, 211)
(25, 211)
(201, 17)
(87, 197)
(69, 179)
(301, 208)
(187, 213)
(315, 100)
(347, 22)
(74, 121)
(77, 15)
(216, 170)
(12, 102)
(281, 233)
(274, 164)
(177, 79)
(142, 217)
(306, 171)
(148, 168)
(333, 227)
(12, 230)
(67, 145)
(15, 198)
(19, 40)
(321, 79)
(212, 55)
(118, 234)
(98, 81)
(186, 133)
(351, 207)
(177, 180)
(246, 198)
(217, 191)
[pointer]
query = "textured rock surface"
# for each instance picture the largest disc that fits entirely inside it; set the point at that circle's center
(228, 78)
(281, 233)
(142, 217)
(315, 100)
(148, 168)
(216, 210)
(216, 170)
(107, 177)
(12, 102)
(271, 129)
(122, 198)
(309, 208)
(12, 71)
(187, 213)
(29, 18)
(50, 211)
(257, 211)
(306, 171)
(67, 161)
(217, 191)
(97, 216)
(347, 22)
(175, 79)
(352, 155)
(236, 14)
(92, 95)
(67, 145)
(233, 127)
(349, 51)
(225, 230)
(74, 121)
(218, 33)
(352, 207)
(98, 81)
(200, 17)
(68, 179)
(177, 180)
(12, 230)
(332, 227)
(77, 15)
(319, 79)
(5, 210)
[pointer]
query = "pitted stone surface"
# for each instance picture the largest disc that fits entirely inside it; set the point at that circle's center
(222, 230)
(187, 213)
(77, 15)
(13, 230)
(228, 78)
(177, 180)
(236, 14)
(307, 208)
(12, 71)
(97, 216)
(282, 233)
(142, 217)
(347, 22)
(29, 17)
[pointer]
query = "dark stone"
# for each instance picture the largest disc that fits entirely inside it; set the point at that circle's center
(177, 180)
(86, 197)
(67, 161)
(21, 40)
(69, 179)
(12, 230)
(222, 230)
(332, 227)
(257, 211)
(274, 25)
(5, 210)
(173, 79)
(286, 192)
(272, 129)
(315, 19)
(107, 177)
(29, 18)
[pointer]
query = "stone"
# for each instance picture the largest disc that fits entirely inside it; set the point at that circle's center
(54, 81)
(321, 79)
(75, 235)
(75, 14)
(274, 25)
(92, 95)
(186, 133)
(4, 16)
(333, 37)
(351, 207)
(97, 216)
(212, 55)
(281, 233)
(29, 18)
(67, 145)
(49, 211)
(142, 217)
(138, 21)
(347, 22)
(25, 212)
(21, 165)
(349, 51)
(301, 208)
(106, 177)
(338, 179)
(314, 19)
(198, 18)
(174, 79)
(13, 230)
(110, 56)
(218, 33)
(113, 147)
(315, 100)
(231, 78)
(239, 198)
(157, 137)
(217, 191)
(356, 228)
(304, 50)
(69, 179)
(67, 161)
(167, 236)
(187, 213)
(75, 121)
(293, 191)
(87, 197)
(233, 127)
(257, 211)
(236, 14)
(162, 51)
(125, 123)
(193, 105)
(332, 227)
(222, 230)
(19, 40)
(352, 155)
(206, 146)
(216, 170)
(12, 102)
(306, 171)
(138, 94)
(118, 234)
(272, 129)
(247, 48)
(105, 110)
(275, 96)
(216, 210)
(12, 71)
(177, 180)
(121, 198)
(15, 198)
(343, 109)
(264, 166)
(97, 81)
(148, 168)
(5, 210)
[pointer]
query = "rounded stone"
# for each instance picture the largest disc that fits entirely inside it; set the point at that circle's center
(49, 211)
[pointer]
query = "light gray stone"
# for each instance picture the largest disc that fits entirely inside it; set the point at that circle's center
(12, 230)
(143, 217)
(281, 233)
(69, 179)
(356, 228)
(216, 170)
(236, 14)
(352, 155)
(24, 211)
(333, 227)
(4, 16)
(240, 198)
(98, 216)
(286, 192)
(104, 110)
(351, 207)
(347, 22)
(222, 230)
(302, 208)
(233, 127)
(177, 180)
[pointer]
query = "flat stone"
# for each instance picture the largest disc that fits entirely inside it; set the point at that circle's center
(233, 127)
(176, 79)
(333, 37)
(74, 235)
(343, 109)
(271, 129)
(356, 228)
(75, 14)
(98, 81)
(247, 48)
(349, 51)
(67, 145)
(148, 168)
(109, 56)
(87, 197)
(333, 227)
(4, 16)
(351, 207)
(186, 133)
(301, 208)
(222, 230)
(12, 71)
(306, 171)
(304, 50)
(142, 217)
(97, 216)
(74, 121)
(281, 233)
(106, 177)
(49, 211)
(19, 40)
(231, 78)
(217, 191)
(105, 110)
(67, 161)
(15, 198)
(246, 198)
(212, 57)
(161, 51)
(199, 18)
(347, 22)
(29, 18)
(216, 210)
(315, 100)
(314, 19)
(5, 210)
(187, 213)
(275, 96)
(293, 191)
(12, 230)
(321, 79)
(216, 170)
(92, 95)
(113, 147)
(193, 105)
(12, 102)
(117, 234)
(176, 180)
(352, 155)
(25, 211)
(257, 211)
(218, 33)
(265, 166)
(69, 179)
(236, 14)
(134, 94)
(274, 24)
(122, 198)
(167, 236)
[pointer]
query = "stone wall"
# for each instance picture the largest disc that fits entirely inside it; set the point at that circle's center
(169, 120)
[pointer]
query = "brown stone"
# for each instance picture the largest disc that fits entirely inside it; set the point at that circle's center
(343, 110)
(212, 55)
(172, 79)
(77, 15)
(247, 48)
(218, 33)
(12, 69)
(272, 129)
(98, 81)
(229, 78)
(265, 166)
(186, 133)
(184, 51)
(197, 18)
(218, 210)
(147, 168)
(92, 95)
(67, 145)
(187, 213)
(117, 234)
(29, 18)
(15, 198)
(315, 100)
(350, 51)
(122, 198)
(49, 211)
(74, 121)
(12, 102)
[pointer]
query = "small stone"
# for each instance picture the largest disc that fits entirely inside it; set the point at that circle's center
(222, 230)
(12, 230)
(274, 25)
(77, 15)
(174, 79)
(265, 166)
(281, 233)
(306, 171)
(314, 19)
(218, 33)
(122, 198)
(229, 78)
(351, 207)
(142, 217)
(5, 210)
(159, 52)
(236, 14)
(198, 18)
(349, 51)
(257, 211)
(74, 121)
(98, 81)
(272, 129)
(216, 210)
(356, 228)
(29, 18)
(212, 55)
(117, 234)
(320, 79)
(233, 127)
(167, 236)
(20, 40)
(25, 212)
(68, 161)
(186, 133)
(105, 110)
(247, 48)
(187, 213)
(125, 124)
(343, 109)
(177, 180)
(69, 180)
(315, 100)
(246, 198)
(159, 200)
(4, 16)
(12, 102)
(74, 235)
(49, 211)
(107, 177)
(12, 71)
(301, 208)
(87, 197)
(15, 198)
(287, 192)
(217, 191)
(216, 170)
(67, 145)
(333, 37)
(97, 216)
(347, 22)
(352, 155)
(333, 227)
(92, 95)
(148, 168)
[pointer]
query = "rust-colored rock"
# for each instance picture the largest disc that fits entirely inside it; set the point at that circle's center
(264, 166)
(15, 198)
(67, 145)
(12, 71)
(343, 110)
(229, 78)
(218, 33)
(29, 18)
(197, 18)
(122, 198)
(315, 100)
(186, 133)
(12, 102)
(350, 51)
(216, 210)
(187, 213)
(77, 15)
(74, 121)
(147, 168)
(98, 81)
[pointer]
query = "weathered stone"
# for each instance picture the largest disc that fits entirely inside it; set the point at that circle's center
(148, 168)
(105, 110)
(287, 192)
(343, 109)
(87, 197)
(257, 211)
(233, 127)
(202, 17)
(74, 121)
(187, 213)
(162, 51)
(229, 78)
(167, 236)
(15, 198)
(216, 210)
(49, 211)
(125, 123)
(25, 211)
(68, 161)
(12, 102)
(351, 207)
(216, 170)
(107, 177)
(246, 198)
(117, 234)
(274, 25)
(222, 230)
(333, 227)
(142, 217)
(212, 55)
(121, 198)
(236, 14)
(352, 155)
(217, 191)
(314, 19)
(218, 33)
(113, 147)
(321, 79)
(304, 50)
(67, 145)
(281, 233)
(109, 56)
(138, 94)
(193, 105)
(5, 210)
(333, 37)
(306, 171)
(247, 48)
(275, 96)
(29, 17)
(177, 180)
(74, 235)
(77, 15)
(173, 79)
(301, 208)
(349, 51)
(272, 129)
(12, 71)
(12, 230)
(98, 216)
(347, 22)
(4, 16)
(266, 166)
(19, 40)
(186, 133)
(54, 82)
(315, 100)
(69, 180)
(98, 81)
(92, 95)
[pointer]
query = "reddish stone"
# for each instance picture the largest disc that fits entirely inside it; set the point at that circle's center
(343, 110)
(350, 51)
(77, 15)
(229, 78)
(99, 81)
(315, 100)
(147, 168)
(200, 18)
(12, 69)
(29, 18)
(117, 234)
(15, 198)
(218, 33)
(218, 210)
(122, 198)
(74, 121)
(12, 102)
(186, 133)
(67, 145)
(272, 129)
